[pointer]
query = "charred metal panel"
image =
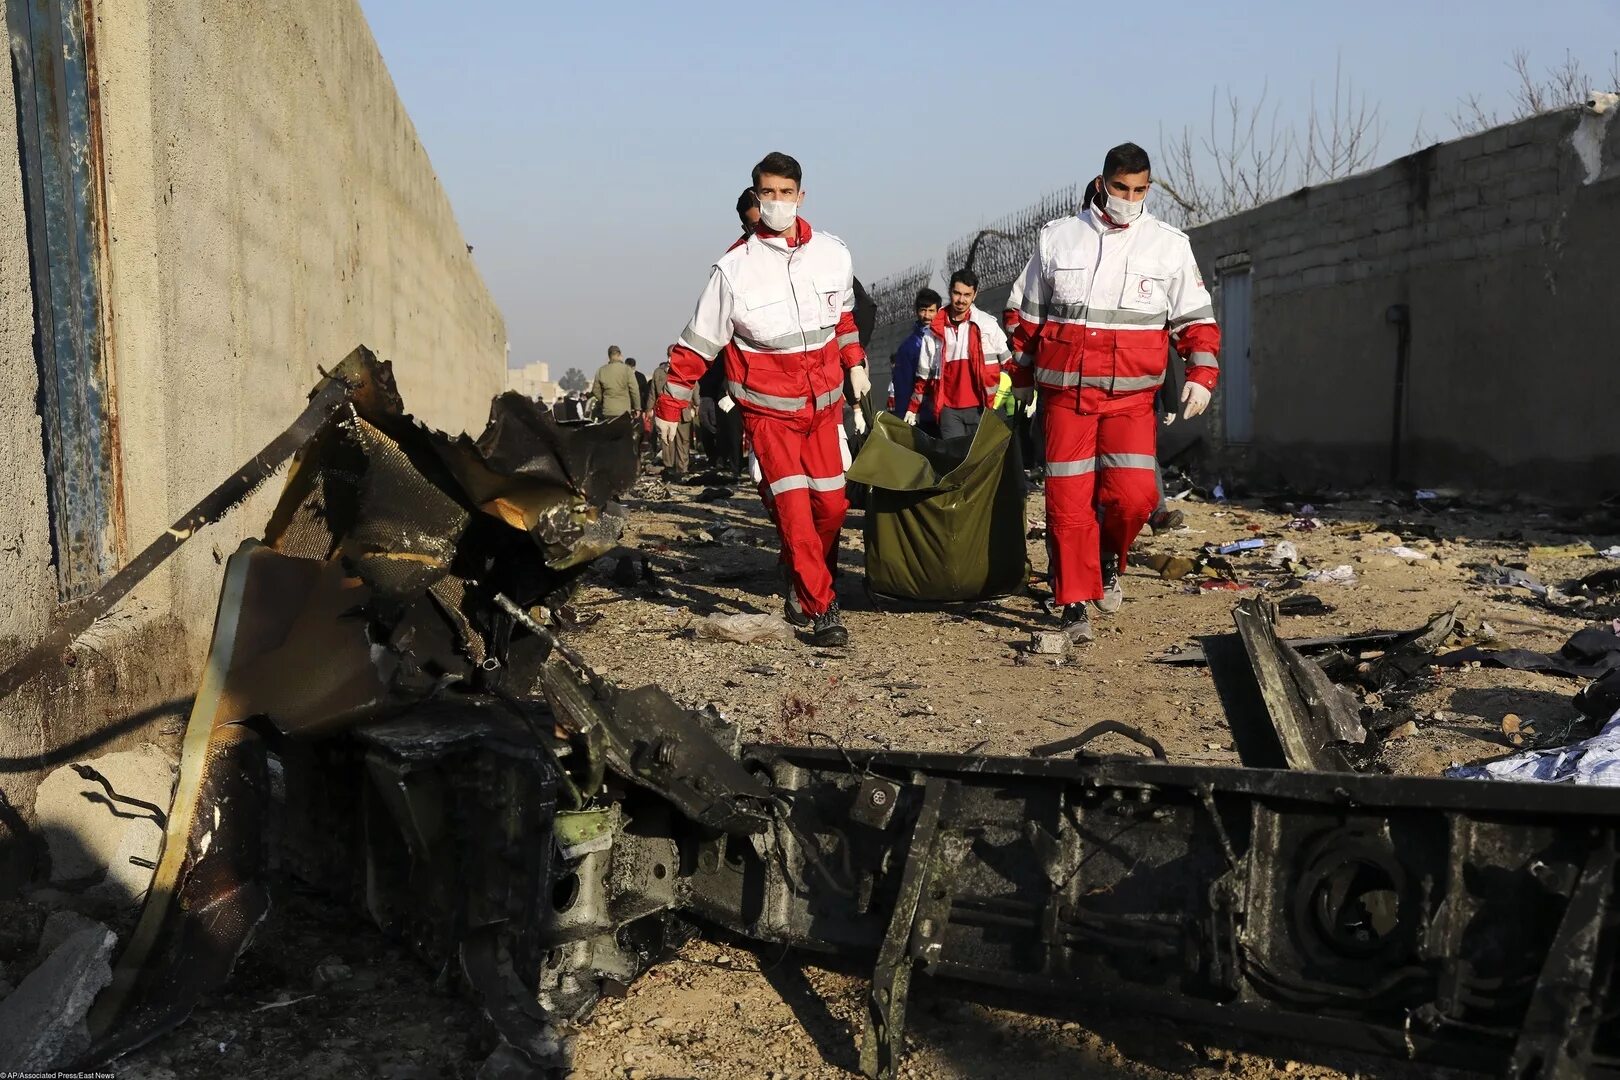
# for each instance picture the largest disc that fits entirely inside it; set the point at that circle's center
(60, 148)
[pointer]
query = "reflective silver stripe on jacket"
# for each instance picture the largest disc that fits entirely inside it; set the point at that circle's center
(699, 344)
(765, 401)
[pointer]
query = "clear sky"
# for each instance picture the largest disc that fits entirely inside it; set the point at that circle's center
(593, 151)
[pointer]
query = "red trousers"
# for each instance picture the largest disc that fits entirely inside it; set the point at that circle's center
(802, 480)
(1096, 462)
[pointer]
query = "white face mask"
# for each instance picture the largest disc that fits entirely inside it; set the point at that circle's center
(777, 215)
(1122, 211)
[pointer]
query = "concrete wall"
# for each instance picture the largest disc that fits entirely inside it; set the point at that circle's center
(269, 207)
(1502, 248)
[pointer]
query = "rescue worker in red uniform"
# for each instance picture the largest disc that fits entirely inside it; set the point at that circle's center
(1104, 293)
(964, 355)
(784, 300)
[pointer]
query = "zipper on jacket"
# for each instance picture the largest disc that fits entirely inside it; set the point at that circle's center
(798, 318)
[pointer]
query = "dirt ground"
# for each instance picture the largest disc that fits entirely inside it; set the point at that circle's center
(945, 680)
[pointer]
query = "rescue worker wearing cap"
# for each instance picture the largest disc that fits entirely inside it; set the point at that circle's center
(1103, 294)
(963, 358)
(785, 300)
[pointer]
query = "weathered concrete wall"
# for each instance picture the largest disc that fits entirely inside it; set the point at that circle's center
(25, 540)
(1501, 246)
(269, 207)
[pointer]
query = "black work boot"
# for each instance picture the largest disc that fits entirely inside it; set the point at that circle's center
(1077, 624)
(829, 629)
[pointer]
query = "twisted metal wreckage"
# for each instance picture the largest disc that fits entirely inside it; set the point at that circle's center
(385, 698)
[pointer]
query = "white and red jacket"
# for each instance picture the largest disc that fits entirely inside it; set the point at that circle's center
(785, 306)
(1098, 307)
(966, 357)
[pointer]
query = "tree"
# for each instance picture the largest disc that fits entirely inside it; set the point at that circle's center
(1251, 156)
(1562, 86)
(574, 379)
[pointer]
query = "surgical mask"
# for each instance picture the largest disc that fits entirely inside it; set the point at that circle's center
(1121, 210)
(777, 215)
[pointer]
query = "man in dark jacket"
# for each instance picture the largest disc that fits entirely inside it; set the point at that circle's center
(903, 364)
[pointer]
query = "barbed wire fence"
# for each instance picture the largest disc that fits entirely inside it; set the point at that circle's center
(998, 251)
(895, 294)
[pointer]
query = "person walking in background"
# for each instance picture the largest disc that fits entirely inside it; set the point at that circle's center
(903, 365)
(719, 416)
(674, 446)
(615, 391)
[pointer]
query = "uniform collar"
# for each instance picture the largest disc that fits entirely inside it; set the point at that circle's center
(797, 238)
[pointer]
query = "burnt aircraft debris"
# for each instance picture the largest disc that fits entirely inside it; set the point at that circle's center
(386, 688)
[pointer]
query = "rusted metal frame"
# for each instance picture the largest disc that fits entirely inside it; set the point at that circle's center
(59, 144)
(883, 1042)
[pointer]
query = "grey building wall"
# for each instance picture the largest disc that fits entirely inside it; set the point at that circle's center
(268, 208)
(1502, 249)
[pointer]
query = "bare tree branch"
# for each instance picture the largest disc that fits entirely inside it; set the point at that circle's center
(1250, 155)
(1563, 85)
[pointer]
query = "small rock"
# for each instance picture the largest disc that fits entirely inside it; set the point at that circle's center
(59, 927)
(43, 1021)
(1403, 731)
(1050, 643)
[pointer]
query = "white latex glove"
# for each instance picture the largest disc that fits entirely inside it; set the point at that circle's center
(1194, 400)
(1167, 419)
(665, 429)
(911, 419)
(860, 383)
(860, 421)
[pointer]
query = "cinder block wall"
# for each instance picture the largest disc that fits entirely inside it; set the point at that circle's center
(269, 207)
(1502, 248)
